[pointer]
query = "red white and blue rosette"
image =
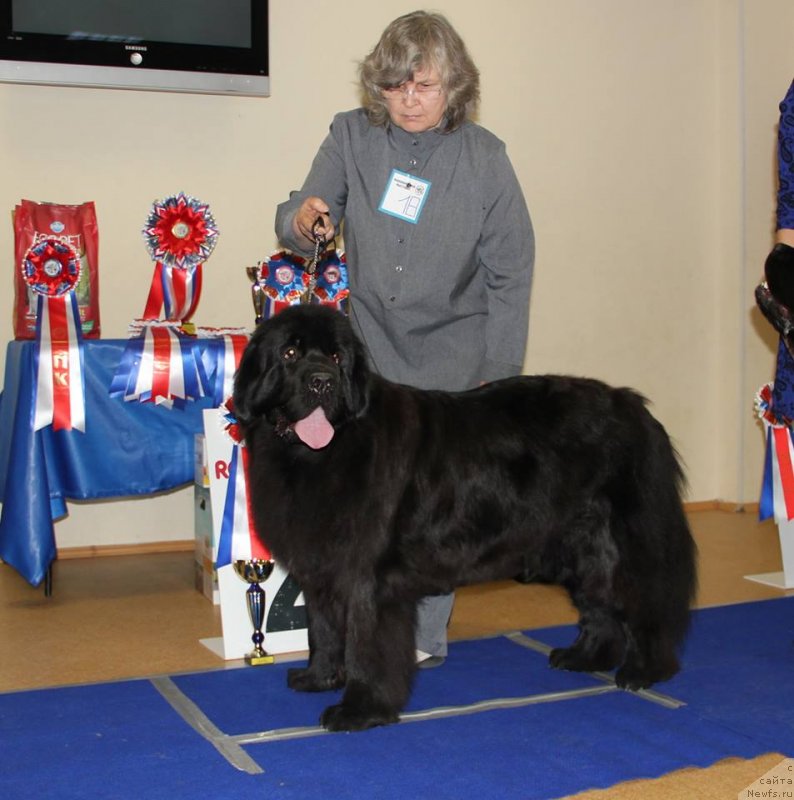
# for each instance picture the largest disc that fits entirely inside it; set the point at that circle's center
(283, 280)
(332, 287)
(51, 268)
(777, 486)
(180, 235)
(162, 362)
(238, 539)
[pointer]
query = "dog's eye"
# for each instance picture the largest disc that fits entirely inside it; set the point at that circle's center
(290, 354)
(337, 359)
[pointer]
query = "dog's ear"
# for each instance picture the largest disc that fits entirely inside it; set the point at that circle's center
(358, 378)
(255, 380)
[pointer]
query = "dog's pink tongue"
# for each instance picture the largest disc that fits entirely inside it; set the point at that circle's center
(315, 430)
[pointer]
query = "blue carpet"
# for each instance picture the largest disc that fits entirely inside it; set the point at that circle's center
(533, 753)
(476, 671)
(125, 740)
(738, 669)
(105, 741)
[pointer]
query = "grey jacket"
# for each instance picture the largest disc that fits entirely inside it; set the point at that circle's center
(443, 302)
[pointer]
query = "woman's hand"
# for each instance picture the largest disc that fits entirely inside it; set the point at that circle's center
(312, 209)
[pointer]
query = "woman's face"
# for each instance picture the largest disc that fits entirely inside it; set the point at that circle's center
(419, 104)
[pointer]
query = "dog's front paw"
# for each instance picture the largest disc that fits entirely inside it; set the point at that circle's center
(343, 717)
(632, 680)
(636, 677)
(306, 679)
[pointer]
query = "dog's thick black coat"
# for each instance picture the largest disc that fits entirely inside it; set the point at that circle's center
(421, 491)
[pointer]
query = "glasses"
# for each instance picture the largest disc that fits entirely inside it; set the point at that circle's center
(423, 91)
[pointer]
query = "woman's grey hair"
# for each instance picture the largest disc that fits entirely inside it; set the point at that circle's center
(416, 41)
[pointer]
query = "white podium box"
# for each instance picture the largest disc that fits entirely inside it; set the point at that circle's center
(206, 577)
(285, 612)
(785, 578)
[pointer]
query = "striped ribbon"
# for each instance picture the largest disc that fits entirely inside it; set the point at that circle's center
(219, 364)
(160, 364)
(238, 539)
(777, 486)
(174, 290)
(59, 385)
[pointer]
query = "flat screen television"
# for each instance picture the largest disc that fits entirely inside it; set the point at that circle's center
(211, 46)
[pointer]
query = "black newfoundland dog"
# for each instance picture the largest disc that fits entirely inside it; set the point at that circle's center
(373, 495)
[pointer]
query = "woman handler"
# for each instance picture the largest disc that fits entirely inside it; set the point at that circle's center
(437, 235)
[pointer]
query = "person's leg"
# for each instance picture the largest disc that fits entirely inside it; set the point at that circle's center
(433, 615)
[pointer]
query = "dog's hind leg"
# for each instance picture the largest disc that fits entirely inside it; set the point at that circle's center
(650, 658)
(588, 558)
(599, 647)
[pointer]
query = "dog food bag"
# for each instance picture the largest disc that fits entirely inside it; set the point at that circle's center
(77, 226)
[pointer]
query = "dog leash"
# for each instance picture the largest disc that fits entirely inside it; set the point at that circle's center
(319, 250)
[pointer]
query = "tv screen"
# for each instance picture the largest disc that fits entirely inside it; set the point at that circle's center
(213, 46)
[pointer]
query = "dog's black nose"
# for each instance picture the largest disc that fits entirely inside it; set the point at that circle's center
(320, 383)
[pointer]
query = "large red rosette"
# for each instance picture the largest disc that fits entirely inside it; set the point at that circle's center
(180, 235)
(161, 363)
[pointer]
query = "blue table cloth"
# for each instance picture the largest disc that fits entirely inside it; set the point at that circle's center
(128, 449)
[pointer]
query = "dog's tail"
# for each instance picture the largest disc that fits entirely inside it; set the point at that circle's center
(647, 503)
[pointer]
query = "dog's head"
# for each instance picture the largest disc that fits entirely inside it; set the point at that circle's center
(305, 373)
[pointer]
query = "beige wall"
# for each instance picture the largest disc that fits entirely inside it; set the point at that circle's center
(643, 136)
(768, 67)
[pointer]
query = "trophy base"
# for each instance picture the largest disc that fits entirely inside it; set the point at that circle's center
(255, 660)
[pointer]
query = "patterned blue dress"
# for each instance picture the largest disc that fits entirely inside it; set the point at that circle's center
(785, 162)
(783, 391)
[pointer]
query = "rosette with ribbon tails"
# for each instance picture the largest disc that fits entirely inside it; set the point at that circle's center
(283, 280)
(777, 487)
(331, 286)
(180, 235)
(162, 363)
(237, 540)
(51, 268)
